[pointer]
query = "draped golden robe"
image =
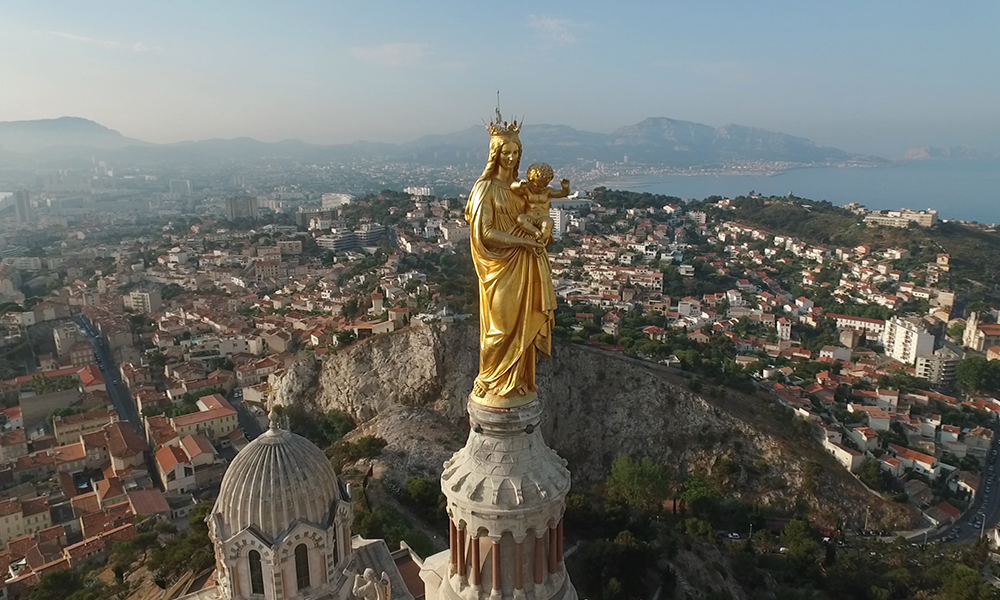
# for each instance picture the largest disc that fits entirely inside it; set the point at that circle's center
(516, 299)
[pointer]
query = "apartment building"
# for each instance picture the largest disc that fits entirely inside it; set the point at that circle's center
(23, 517)
(905, 338)
(146, 302)
(215, 420)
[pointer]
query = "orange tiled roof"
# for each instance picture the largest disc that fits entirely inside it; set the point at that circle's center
(54, 532)
(19, 546)
(69, 453)
(9, 507)
(912, 455)
(148, 502)
(84, 548)
(35, 506)
(85, 504)
(169, 457)
(123, 441)
(110, 488)
(195, 445)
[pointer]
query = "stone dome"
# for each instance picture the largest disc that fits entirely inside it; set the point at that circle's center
(275, 480)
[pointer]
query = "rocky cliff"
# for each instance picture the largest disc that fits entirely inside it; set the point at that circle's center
(411, 387)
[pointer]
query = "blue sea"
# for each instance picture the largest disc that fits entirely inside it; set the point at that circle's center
(957, 189)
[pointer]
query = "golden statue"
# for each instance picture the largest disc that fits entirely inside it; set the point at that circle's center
(516, 299)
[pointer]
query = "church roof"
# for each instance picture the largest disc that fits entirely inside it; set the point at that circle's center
(274, 481)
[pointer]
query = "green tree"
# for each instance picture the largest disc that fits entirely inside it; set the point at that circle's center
(801, 542)
(642, 484)
(68, 585)
(345, 338)
(976, 374)
(335, 424)
(366, 447)
(700, 495)
(350, 309)
(425, 496)
(696, 527)
(965, 583)
(871, 474)
(387, 524)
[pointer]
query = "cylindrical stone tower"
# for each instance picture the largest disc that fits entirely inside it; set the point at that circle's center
(506, 495)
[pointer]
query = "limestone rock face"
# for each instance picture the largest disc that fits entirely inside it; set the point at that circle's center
(598, 405)
(413, 368)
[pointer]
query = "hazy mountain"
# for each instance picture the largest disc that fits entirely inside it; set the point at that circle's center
(947, 153)
(684, 142)
(31, 136)
(656, 141)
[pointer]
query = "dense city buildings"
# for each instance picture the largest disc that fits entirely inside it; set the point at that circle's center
(241, 207)
(147, 338)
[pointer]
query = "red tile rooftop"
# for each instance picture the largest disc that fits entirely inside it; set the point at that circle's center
(69, 453)
(949, 510)
(85, 504)
(123, 441)
(84, 548)
(148, 502)
(54, 532)
(19, 546)
(169, 457)
(35, 506)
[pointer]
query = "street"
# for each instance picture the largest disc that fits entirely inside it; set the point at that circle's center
(966, 529)
(117, 391)
(248, 423)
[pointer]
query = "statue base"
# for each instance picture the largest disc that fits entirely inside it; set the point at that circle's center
(496, 401)
(506, 492)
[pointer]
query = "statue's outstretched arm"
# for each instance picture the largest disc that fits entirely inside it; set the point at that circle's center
(560, 193)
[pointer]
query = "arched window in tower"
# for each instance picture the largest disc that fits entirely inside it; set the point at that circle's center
(256, 573)
(302, 566)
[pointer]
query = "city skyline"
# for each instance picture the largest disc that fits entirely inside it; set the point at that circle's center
(866, 79)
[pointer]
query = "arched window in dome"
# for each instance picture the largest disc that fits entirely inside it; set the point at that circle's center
(302, 566)
(256, 573)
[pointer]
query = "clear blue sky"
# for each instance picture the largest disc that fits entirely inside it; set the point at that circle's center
(865, 76)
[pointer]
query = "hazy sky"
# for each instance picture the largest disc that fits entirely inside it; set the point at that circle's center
(865, 76)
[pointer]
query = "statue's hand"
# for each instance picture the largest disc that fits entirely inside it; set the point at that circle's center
(565, 184)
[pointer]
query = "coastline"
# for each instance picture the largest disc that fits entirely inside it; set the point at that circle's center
(632, 181)
(962, 190)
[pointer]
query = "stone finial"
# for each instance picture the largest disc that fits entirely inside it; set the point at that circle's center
(274, 419)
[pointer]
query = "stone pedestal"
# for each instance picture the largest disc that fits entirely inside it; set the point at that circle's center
(506, 494)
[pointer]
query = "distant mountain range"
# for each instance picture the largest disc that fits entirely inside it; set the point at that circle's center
(653, 141)
(948, 153)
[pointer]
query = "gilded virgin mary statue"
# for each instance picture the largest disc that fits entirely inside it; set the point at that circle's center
(516, 299)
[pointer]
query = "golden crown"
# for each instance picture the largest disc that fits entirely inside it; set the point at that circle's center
(499, 127)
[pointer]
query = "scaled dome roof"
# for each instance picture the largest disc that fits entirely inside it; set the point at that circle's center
(276, 479)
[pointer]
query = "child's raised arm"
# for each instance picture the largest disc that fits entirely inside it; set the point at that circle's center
(561, 193)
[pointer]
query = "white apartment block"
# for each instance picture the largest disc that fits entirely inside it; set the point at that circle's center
(905, 339)
(143, 302)
(902, 218)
